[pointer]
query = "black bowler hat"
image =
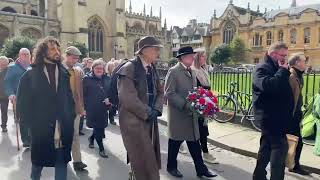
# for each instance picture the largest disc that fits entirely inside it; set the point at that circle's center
(184, 51)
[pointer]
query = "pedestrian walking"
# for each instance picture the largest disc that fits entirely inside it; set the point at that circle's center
(96, 102)
(298, 65)
(140, 103)
(273, 106)
(202, 75)
(182, 125)
(87, 70)
(4, 101)
(111, 65)
(11, 81)
(76, 75)
(45, 103)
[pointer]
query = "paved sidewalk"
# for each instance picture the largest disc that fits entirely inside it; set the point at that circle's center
(245, 141)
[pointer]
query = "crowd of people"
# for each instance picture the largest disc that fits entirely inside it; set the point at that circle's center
(65, 93)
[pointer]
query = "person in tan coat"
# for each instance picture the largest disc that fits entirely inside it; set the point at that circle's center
(140, 103)
(182, 125)
(298, 64)
(76, 75)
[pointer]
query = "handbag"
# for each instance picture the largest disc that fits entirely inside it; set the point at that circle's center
(292, 146)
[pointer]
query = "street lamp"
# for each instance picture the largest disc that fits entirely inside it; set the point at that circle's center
(115, 50)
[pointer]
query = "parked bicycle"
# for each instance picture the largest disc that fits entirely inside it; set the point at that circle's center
(235, 102)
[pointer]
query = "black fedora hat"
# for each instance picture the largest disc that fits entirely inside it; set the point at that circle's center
(148, 41)
(184, 51)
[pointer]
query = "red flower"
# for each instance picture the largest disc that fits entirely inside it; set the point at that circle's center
(192, 97)
(206, 111)
(202, 101)
(209, 93)
(215, 100)
(201, 91)
(210, 106)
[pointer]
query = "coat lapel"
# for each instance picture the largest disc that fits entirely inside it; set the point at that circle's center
(141, 79)
(185, 71)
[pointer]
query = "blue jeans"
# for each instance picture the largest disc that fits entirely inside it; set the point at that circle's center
(60, 168)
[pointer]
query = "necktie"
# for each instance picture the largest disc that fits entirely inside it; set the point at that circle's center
(150, 86)
(189, 70)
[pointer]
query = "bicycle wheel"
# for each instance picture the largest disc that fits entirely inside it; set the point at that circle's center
(227, 107)
(250, 117)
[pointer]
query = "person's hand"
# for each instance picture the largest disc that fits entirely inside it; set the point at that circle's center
(284, 65)
(107, 102)
(153, 115)
(84, 113)
(12, 98)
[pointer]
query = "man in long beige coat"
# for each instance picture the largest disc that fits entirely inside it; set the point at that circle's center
(76, 74)
(182, 125)
(298, 64)
(140, 103)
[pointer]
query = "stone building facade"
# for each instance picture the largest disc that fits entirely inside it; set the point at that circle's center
(194, 34)
(297, 26)
(106, 27)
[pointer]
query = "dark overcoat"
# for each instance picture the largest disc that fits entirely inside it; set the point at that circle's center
(40, 106)
(95, 91)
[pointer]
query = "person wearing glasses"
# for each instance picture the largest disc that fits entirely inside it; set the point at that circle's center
(298, 65)
(273, 106)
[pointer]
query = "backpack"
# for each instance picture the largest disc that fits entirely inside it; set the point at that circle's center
(113, 91)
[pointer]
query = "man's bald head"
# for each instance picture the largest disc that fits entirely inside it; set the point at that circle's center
(24, 55)
(24, 50)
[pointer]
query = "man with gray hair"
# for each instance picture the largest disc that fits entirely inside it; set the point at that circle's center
(298, 65)
(11, 81)
(3, 97)
(272, 106)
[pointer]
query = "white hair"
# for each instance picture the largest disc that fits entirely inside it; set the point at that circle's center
(24, 50)
(4, 58)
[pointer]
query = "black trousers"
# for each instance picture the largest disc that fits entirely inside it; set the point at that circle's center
(272, 149)
(112, 113)
(82, 118)
(4, 112)
(195, 151)
(98, 135)
(204, 133)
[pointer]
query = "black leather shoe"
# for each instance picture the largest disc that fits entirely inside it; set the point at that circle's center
(175, 173)
(4, 130)
(81, 133)
(207, 174)
(91, 145)
(300, 171)
(103, 154)
(26, 145)
(79, 166)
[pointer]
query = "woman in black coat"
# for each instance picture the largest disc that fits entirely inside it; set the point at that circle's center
(96, 101)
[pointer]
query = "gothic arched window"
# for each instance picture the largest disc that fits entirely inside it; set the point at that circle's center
(31, 32)
(95, 36)
(4, 34)
(228, 33)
